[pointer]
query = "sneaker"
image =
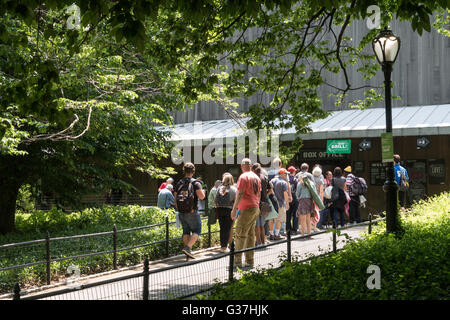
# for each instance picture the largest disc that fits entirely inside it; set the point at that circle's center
(271, 237)
(187, 251)
(278, 237)
(224, 250)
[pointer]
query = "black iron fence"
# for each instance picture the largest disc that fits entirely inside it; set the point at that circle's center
(185, 280)
(49, 250)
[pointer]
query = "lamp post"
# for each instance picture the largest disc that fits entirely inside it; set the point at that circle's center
(386, 47)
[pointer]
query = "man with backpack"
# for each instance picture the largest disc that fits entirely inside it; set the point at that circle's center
(356, 187)
(187, 193)
(401, 178)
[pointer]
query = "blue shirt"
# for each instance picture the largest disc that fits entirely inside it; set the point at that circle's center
(398, 169)
(165, 199)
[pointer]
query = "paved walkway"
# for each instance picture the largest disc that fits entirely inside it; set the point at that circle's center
(196, 276)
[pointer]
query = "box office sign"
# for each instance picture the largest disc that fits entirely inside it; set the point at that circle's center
(339, 146)
(436, 171)
(304, 155)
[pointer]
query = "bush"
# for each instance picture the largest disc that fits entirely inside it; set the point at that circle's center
(33, 226)
(414, 266)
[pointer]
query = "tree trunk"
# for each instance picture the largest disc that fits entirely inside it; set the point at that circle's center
(8, 197)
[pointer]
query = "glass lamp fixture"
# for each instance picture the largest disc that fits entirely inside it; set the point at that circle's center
(386, 47)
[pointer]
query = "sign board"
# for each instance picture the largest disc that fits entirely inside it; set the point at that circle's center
(377, 173)
(417, 172)
(307, 154)
(358, 166)
(339, 146)
(436, 171)
(387, 147)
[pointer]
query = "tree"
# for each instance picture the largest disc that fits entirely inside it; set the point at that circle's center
(75, 123)
(70, 86)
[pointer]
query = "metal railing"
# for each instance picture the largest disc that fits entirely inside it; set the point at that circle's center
(141, 288)
(46, 244)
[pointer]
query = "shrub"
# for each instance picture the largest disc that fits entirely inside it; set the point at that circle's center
(414, 266)
(32, 226)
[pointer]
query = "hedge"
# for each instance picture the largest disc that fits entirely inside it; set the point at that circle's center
(413, 267)
(32, 226)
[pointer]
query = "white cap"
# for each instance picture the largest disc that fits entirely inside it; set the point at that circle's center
(169, 186)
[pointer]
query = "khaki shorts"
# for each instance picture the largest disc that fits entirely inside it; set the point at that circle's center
(281, 215)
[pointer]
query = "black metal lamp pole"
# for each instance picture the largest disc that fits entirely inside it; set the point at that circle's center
(390, 186)
(386, 46)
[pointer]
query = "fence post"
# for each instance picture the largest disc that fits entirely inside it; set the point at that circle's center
(114, 247)
(209, 235)
(167, 236)
(16, 292)
(231, 264)
(47, 254)
(289, 245)
(146, 276)
(370, 223)
(334, 236)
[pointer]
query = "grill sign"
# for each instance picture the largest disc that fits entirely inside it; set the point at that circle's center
(339, 146)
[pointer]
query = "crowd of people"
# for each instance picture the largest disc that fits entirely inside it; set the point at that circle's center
(266, 204)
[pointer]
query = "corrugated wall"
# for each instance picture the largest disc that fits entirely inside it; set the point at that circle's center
(421, 75)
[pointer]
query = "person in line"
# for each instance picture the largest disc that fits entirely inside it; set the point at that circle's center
(259, 229)
(224, 200)
(276, 165)
(354, 214)
(247, 202)
(402, 179)
(338, 207)
(165, 184)
(305, 202)
(281, 189)
(186, 194)
(327, 203)
(202, 202)
(166, 199)
(212, 196)
(291, 214)
(319, 183)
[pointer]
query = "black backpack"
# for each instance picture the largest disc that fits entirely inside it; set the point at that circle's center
(223, 199)
(359, 186)
(186, 196)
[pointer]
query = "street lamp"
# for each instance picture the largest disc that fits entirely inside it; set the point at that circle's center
(386, 47)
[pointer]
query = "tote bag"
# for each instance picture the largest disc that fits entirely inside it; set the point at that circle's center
(273, 213)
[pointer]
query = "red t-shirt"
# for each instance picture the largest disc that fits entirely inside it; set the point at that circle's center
(250, 184)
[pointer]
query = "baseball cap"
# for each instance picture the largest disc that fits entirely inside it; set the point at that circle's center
(348, 169)
(292, 169)
(246, 161)
(282, 170)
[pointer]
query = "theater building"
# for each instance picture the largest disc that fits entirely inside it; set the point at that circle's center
(421, 137)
